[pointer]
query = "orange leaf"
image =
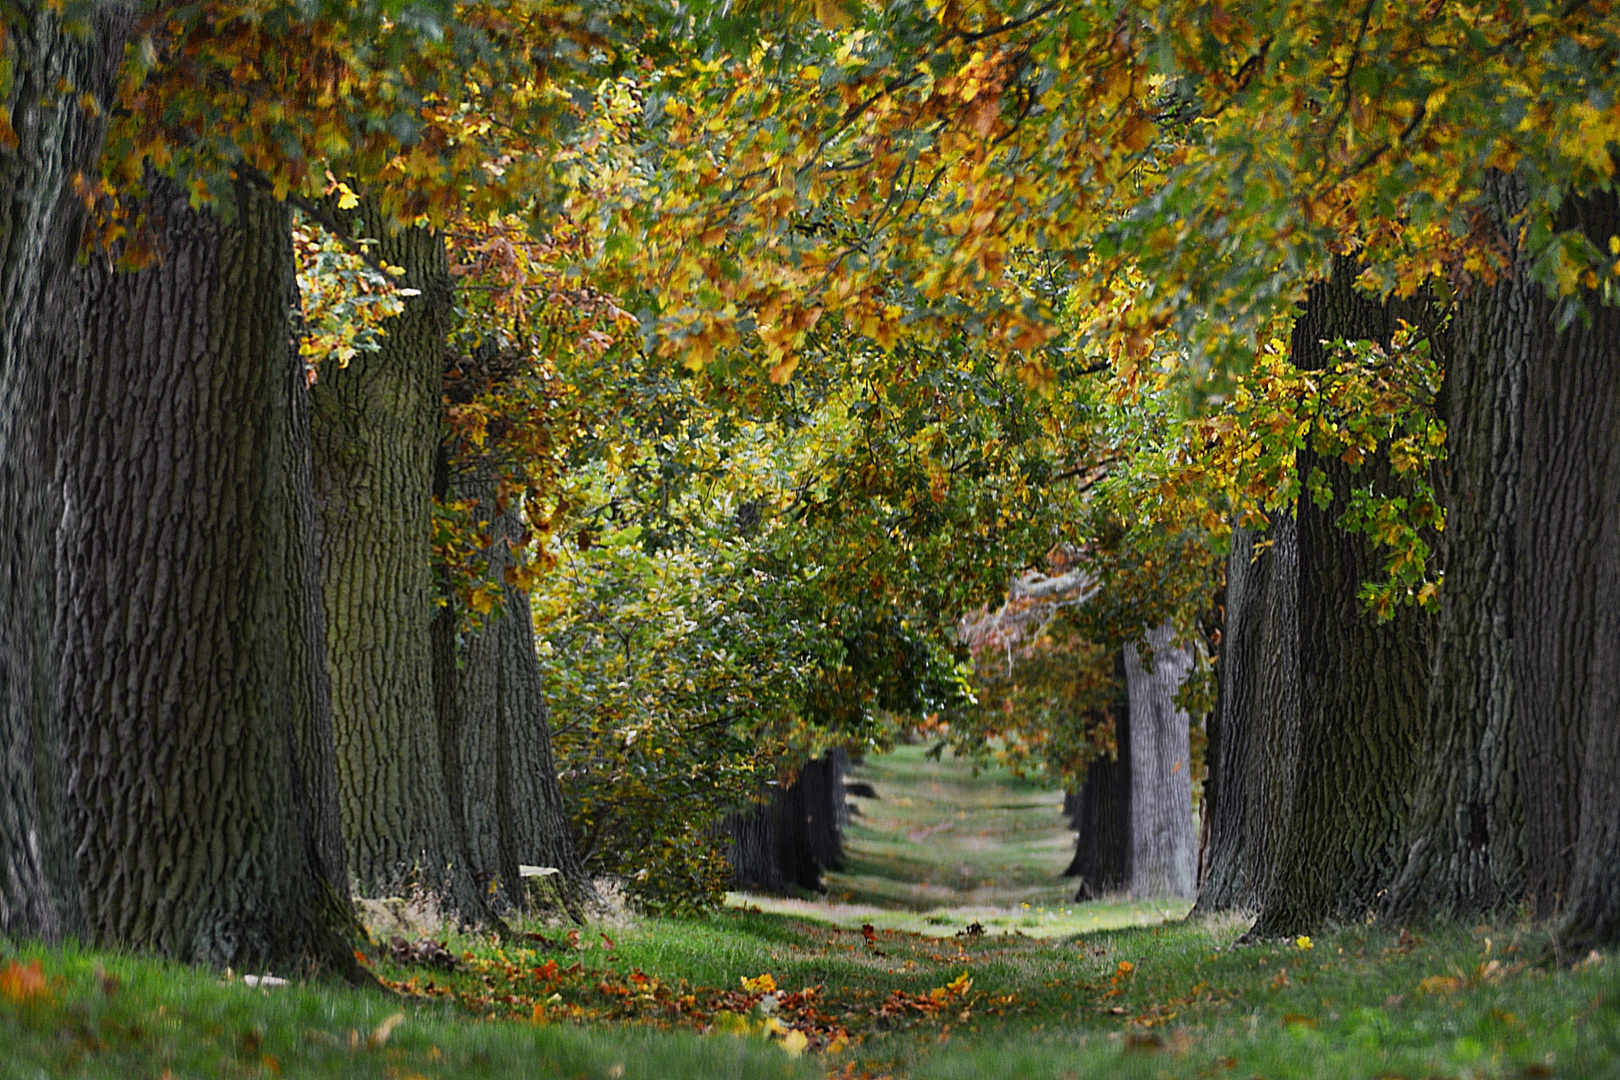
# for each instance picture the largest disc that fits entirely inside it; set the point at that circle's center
(19, 984)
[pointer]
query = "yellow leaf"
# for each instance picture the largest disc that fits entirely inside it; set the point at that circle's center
(1440, 984)
(794, 1043)
(765, 984)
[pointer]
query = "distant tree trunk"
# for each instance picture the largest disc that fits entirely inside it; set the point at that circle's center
(177, 592)
(752, 850)
(513, 803)
(1163, 845)
(791, 839)
(376, 434)
(1464, 851)
(40, 227)
(310, 685)
(1362, 683)
(1102, 817)
(1260, 745)
(822, 784)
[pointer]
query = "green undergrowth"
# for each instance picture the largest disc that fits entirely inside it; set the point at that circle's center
(79, 1014)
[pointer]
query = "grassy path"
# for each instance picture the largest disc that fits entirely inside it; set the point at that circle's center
(940, 848)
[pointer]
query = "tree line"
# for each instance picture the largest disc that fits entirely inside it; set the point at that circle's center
(1286, 330)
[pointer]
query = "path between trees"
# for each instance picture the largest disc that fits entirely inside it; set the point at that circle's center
(943, 846)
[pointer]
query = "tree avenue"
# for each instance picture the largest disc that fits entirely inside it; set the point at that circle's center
(1174, 403)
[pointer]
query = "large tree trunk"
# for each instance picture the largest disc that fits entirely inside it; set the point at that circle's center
(1362, 683)
(514, 806)
(1520, 803)
(376, 432)
(1567, 536)
(1261, 708)
(40, 227)
(1163, 845)
(1567, 609)
(177, 596)
(1465, 854)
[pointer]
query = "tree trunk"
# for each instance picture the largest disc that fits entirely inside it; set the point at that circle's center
(1102, 816)
(1270, 754)
(1226, 883)
(1163, 844)
(1465, 855)
(1560, 600)
(790, 840)
(1363, 684)
(376, 432)
(40, 227)
(176, 595)
(1566, 599)
(1520, 803)
(514, 806)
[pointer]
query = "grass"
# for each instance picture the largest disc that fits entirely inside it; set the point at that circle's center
(870, 991)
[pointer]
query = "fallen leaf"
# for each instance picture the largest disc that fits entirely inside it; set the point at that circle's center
(19, 984)
(384, 1029)
(794, 1043)
(1440, 984)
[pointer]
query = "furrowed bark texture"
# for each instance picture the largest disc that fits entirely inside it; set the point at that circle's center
(1226, 884)
(1592, 910)
(315, 758)
(187, 807)
(1163, 845)
(40, 225)
(1363, 683)
(1568, 549)
(375, 434)
(1465, 853)
(1274, 717)
(1564, 604)
(513, 803)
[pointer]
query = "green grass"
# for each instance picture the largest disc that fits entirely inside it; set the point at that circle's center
(165, 1020)
(1056, 992)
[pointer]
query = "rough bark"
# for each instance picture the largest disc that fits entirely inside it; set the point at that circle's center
(1568, 549)
(1465, 853)
(188, 805)
(376, 431)
(1226, 883)
(1363, 683)
(1163, 844)
(1519, 804)
(40, 227)
(1274, 742)
(513, 804)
